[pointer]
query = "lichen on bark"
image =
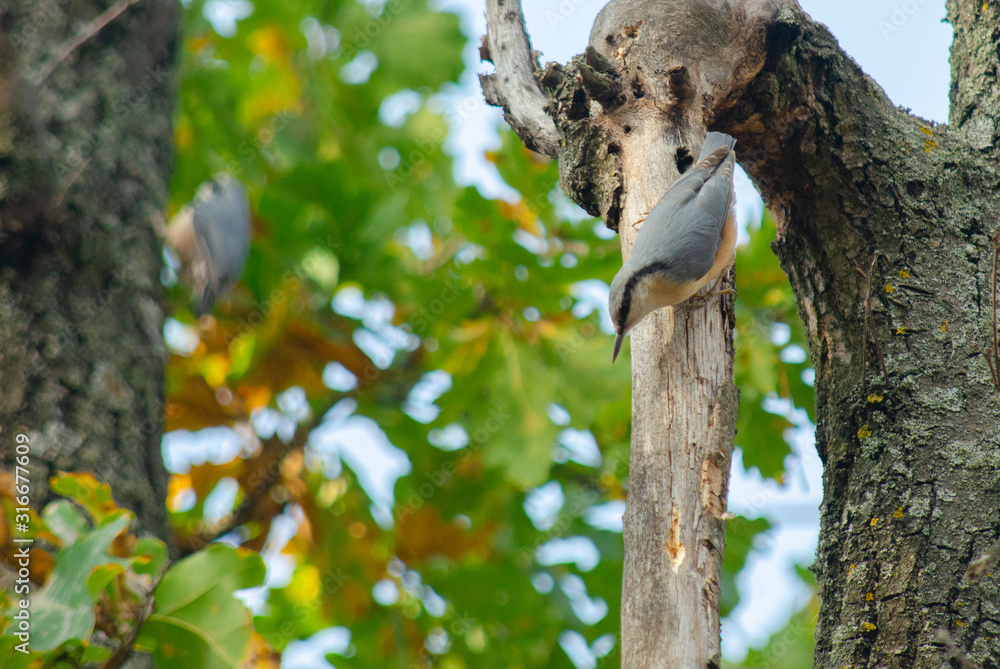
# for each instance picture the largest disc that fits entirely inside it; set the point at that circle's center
(81, 304)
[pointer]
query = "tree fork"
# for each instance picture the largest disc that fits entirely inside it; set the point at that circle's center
(626, 124)
(912, 473)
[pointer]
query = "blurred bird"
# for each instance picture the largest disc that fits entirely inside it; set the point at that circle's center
(211, 238)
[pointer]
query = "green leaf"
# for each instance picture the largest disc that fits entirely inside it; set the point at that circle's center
(765, 299)
(759, 434)
(740, 534)
(63, 609)
(65, 520)
(789, 648)
(11, 658)
(155, 550)
(434, 38)
(93, 495)
(198, 622)
(95, 654)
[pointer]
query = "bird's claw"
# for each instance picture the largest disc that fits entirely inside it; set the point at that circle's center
(702, 300)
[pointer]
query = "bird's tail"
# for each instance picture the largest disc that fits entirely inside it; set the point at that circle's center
(714, 141)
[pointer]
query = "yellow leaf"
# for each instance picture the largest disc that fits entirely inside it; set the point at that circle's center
(305, 584)
(183, 136)
(253, 396)
(269, 42)
(241, 352)
(198, 43)
(329, 149)
(215, 368)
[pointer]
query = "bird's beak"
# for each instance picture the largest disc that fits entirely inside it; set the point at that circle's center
(619, 338)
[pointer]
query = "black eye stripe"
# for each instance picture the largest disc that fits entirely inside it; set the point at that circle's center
(633, 281)
(626, 305)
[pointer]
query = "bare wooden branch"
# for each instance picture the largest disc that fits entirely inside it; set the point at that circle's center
(601, 80)
(601, 87)
(956, 653)
(684, 401)
(513, 86)
(125, 651)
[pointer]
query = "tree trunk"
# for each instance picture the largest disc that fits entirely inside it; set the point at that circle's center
(86, 146)
(912, 454)
(886, 229)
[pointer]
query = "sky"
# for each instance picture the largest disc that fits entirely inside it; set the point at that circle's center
(903, 45)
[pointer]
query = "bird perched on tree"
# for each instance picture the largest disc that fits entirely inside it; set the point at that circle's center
(211, 238)
(687, 240)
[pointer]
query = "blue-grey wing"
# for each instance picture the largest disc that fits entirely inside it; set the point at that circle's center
(684, 229)
(222, 230)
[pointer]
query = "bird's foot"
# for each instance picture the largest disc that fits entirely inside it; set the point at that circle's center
(701, 300)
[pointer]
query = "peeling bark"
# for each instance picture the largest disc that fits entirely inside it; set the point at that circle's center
(86, 149)
(864, 195)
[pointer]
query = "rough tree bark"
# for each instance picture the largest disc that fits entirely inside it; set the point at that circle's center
(886, 228)
(86, 147)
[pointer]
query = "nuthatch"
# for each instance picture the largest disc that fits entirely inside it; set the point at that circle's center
(211, 237)
(687, 240)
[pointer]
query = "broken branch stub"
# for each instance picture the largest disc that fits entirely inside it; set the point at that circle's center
(513, 86)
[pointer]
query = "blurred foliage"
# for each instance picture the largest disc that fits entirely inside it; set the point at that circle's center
(99, 580)
(335, 115)
(766, 314)
(792, 646)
